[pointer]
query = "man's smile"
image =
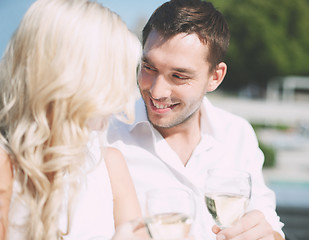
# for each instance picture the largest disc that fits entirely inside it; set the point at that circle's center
(161, 107)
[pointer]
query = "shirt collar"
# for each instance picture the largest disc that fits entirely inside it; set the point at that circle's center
(210, 121)
(140, 115)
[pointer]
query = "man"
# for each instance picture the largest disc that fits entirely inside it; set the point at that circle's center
(178, 134)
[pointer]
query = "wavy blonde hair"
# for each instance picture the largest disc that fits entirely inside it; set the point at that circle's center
(69, 61)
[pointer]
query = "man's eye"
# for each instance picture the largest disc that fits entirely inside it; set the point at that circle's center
(180, 76)
(148, 67)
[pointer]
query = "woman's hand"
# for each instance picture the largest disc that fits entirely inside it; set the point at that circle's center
(133, 230)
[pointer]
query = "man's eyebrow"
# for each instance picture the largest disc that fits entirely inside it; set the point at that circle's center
(183, 70)
(176, 69)
(147, 61)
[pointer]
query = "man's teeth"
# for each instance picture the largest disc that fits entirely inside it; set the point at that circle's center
(160, 106)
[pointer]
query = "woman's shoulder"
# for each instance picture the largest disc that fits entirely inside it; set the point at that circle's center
(112, 154)
(114, 160)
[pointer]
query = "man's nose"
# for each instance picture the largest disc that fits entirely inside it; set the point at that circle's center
(160, 88)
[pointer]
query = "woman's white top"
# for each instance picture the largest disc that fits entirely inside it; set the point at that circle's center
(93, 209)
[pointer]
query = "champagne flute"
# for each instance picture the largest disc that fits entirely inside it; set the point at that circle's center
(170, 213)
(227, 195)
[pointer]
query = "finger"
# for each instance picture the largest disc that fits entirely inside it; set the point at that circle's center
(140, 229)
(252, 226)
(248, 221)
(261, 231)
(215, 229)
(132, 230)
(138, 224)
(130, 226)
(255, 233)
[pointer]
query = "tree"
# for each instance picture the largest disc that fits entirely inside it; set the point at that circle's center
(269, 38)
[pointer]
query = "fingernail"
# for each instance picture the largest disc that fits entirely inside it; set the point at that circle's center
(220, 237)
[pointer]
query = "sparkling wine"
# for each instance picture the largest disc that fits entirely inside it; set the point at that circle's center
(169, 226)
(226, 208)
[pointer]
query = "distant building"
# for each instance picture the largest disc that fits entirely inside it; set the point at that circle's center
(289, 88)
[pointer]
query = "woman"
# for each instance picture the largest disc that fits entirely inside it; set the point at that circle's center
(6, 175)
(70, 65)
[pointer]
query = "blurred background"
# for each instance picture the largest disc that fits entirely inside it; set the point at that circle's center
(267, 83)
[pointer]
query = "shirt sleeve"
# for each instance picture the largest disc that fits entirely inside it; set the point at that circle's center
(262, 198)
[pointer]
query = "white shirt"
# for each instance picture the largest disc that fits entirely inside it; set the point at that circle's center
(93, 210)
(227, 141)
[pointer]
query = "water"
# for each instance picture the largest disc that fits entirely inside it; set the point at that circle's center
(291, 194)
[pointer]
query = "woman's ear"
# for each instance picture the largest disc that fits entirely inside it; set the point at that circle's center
(217, 77)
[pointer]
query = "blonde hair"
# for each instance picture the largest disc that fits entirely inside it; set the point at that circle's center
(69, 61)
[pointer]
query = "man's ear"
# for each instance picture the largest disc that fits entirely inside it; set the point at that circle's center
(217, 77)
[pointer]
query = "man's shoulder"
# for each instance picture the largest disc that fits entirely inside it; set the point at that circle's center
(224, 115)
(230, 117)
(225, 122)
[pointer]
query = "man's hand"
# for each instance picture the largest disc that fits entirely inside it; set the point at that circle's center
(252, 226)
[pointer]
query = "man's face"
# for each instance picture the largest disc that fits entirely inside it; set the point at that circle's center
(173, 78)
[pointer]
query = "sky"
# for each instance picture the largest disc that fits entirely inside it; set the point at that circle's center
(131, 11)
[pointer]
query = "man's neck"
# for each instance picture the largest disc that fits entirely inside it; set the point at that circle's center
(184, 137)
